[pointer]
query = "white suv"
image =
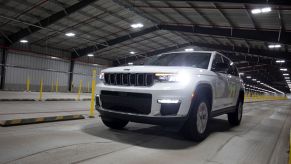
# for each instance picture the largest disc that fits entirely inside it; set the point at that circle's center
(186, 88)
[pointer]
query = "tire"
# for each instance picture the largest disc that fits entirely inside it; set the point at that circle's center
(114, 123)
(198, 116)
(234, 118)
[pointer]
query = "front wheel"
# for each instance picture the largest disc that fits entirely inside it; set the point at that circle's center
(235, 117)
(196, 127)
(114, 123)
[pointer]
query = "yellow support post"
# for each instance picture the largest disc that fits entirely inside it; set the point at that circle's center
(91, 115)
(79, 90)
(88, 86)
(57, 85)
(52, 87)
(40, 90)
(27, 84)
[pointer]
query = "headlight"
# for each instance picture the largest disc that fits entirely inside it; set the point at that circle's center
(101, 76)
(182, 77)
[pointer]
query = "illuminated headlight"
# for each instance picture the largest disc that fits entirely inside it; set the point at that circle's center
(168, 101)
(182, 77)
(101, 76)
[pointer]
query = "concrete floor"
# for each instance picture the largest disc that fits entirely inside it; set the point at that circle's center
(262, 138)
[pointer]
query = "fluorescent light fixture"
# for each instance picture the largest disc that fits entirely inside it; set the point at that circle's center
(258, 81)
(256, 11)
(248, 77)
(283, 69)
(168, 101)
(136, 25)
(130, 63)
(261, 10)
(53, 57)
(266, 9)
(241, 73)
(90, 55)
(287, 78)
(254, 79)
(95, 64)
(280, 61)
(132, 52)
(23, 41)
(70, 34)
(189, 49)
(272, 46)
(285, 74)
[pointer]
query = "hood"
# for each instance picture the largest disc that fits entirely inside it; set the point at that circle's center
(151, 69)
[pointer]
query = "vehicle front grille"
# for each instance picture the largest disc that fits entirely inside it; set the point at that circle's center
(129, 79)
(127, 102)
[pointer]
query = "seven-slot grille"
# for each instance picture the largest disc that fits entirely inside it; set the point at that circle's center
(129, 79)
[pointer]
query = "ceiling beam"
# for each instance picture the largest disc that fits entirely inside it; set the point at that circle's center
(260, 35)
(259, 52)
(94, 48)
(270, 2)
(49, 20)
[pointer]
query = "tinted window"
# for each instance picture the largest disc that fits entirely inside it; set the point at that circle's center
(216, 60)
(194, 59)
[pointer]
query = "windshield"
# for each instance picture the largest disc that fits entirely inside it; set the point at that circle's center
(194, 59)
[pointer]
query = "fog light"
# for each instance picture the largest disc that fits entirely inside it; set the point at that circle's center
(168, 101)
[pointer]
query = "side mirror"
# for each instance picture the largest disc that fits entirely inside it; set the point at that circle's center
(221, 68)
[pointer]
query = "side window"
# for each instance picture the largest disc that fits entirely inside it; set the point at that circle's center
(235, 72)
(216, 60)
(227, 61)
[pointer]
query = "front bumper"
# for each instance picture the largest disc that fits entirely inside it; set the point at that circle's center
(156, 120)
(157, 92)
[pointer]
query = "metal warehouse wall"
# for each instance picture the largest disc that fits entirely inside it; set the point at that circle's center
(21, 67)
(83, 72)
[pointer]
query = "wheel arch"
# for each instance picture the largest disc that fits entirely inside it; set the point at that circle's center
(206, 89)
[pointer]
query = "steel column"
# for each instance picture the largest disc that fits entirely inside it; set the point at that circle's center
(3, 70)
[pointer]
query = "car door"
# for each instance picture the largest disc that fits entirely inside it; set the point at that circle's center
(221, 85)
(234, 82)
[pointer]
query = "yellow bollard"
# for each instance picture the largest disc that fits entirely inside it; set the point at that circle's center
(27, 84)
(91, 115)
(40, 90)
(52, 87)
(88, 86)
(79, 90)
(57, 85)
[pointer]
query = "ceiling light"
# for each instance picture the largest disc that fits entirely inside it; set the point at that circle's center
(90, 55)
(254, 79)
(132, 52)
(285, 74)
(287, 78)
(271, 46)
(248, 77)
(261, 10)
(95, 64)
(70, 34)
(137, 25)
(23, 41)
(189, 49)
(266, 9)
(280, 61)
(258, 81)
(130, 63)
(53, 57)
(283, 69)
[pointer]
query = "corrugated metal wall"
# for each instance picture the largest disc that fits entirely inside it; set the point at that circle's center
(22, 67)
(84, 72)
